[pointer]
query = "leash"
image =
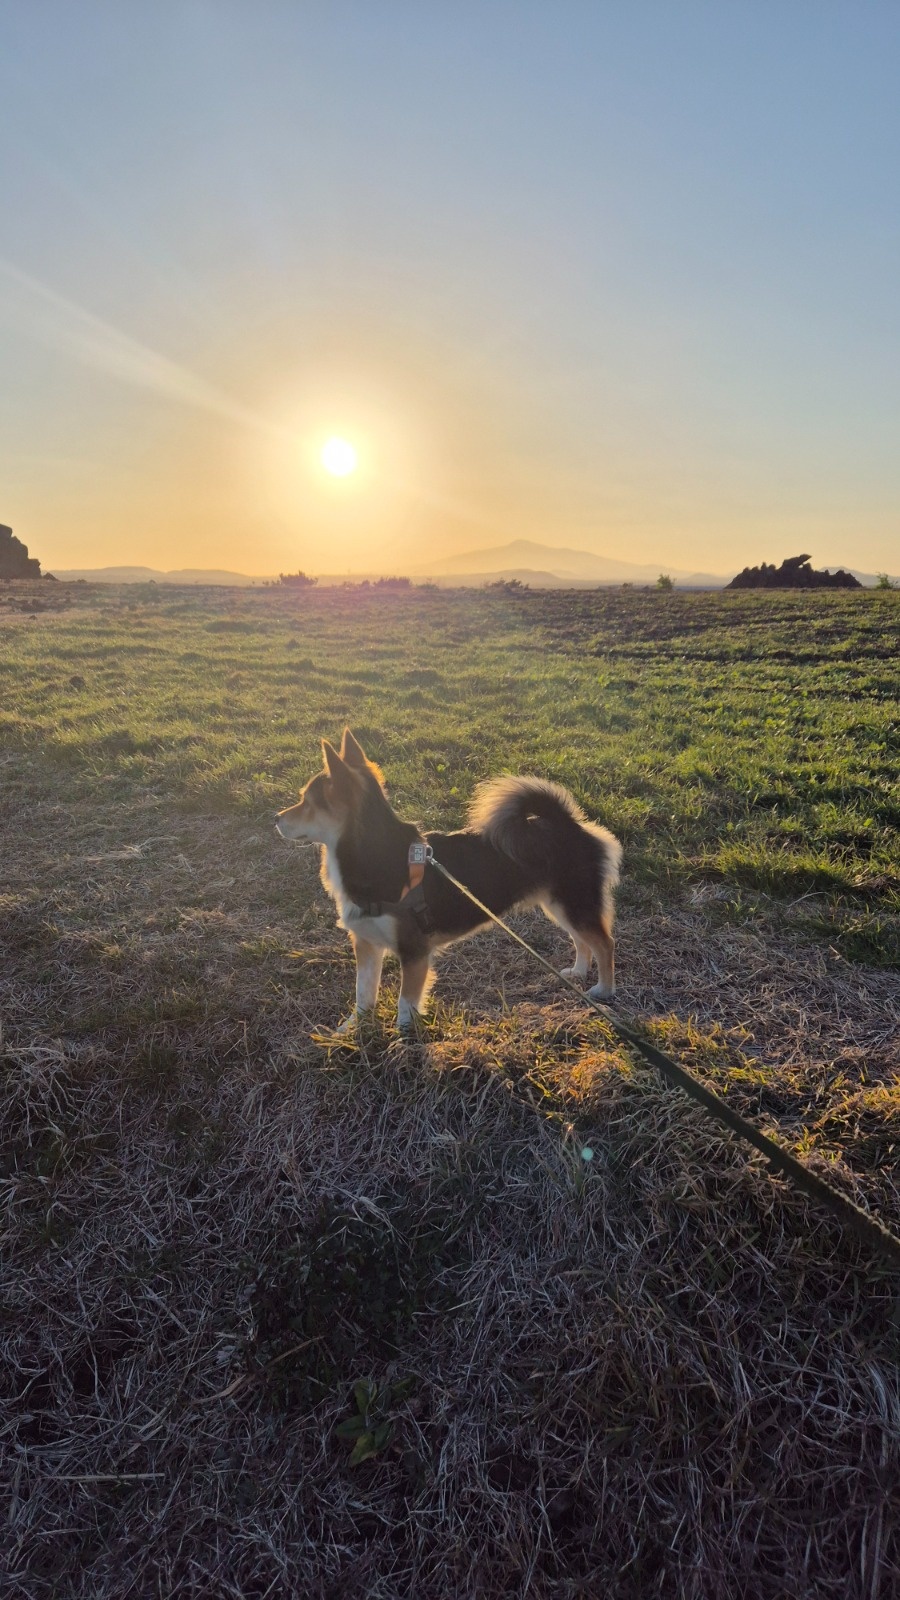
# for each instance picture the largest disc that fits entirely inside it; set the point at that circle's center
(865, 1226)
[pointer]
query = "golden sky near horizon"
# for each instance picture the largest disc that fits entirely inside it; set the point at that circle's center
(616, 291)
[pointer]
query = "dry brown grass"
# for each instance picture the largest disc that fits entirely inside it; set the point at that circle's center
(656, 1373)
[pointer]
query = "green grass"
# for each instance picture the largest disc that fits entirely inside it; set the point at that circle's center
(750, 738)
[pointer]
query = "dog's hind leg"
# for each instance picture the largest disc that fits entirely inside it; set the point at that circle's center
(603, 945)
(415, 976)
(582, 964)
(369, 961)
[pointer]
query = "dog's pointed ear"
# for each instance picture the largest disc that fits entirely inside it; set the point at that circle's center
(334, 766)
(352, 751)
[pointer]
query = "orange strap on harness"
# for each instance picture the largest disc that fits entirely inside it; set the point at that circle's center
(419, 856)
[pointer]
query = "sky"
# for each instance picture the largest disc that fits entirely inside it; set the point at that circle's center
(623, 278)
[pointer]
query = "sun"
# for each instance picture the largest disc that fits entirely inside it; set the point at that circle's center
(339, 457)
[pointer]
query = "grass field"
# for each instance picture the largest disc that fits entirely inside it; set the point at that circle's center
(236, 1253)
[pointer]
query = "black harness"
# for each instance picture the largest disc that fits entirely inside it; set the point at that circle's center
(412, 904)
(412, 900)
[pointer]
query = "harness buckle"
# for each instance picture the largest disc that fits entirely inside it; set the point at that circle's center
(420, 853)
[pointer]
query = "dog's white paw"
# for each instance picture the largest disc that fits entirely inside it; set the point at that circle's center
(353, 1021)
(407, 1017)
(601, 992)
(578, 973)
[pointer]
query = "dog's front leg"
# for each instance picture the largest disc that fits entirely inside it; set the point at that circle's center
(369, 961)
(415, 976)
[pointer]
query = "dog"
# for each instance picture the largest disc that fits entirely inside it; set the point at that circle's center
(527, 843)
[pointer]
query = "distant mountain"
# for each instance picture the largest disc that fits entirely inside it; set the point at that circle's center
(580, 566)
(546, 565)
(185, 575)
(526, 575)
(542, 566)
(867, 579)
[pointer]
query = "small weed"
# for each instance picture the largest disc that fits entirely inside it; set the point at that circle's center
(370, 1424)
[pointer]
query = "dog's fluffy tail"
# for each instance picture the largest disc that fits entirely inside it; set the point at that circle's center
(530, 818)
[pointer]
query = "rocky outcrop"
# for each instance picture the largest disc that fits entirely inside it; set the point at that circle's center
(794, 573)
(15, 562)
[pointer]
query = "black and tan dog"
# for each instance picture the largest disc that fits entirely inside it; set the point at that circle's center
(527, 843)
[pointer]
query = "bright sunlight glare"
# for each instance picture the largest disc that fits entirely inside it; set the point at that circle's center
(339, 457)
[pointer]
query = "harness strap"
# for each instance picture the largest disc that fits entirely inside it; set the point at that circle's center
(412, 895)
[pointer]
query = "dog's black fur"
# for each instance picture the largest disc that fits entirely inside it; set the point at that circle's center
(527, 842)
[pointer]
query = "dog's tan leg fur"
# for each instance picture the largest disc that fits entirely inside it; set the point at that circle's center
(594, 941)
(369, 961)
(603, 946)
(415, 978)
(582, 964)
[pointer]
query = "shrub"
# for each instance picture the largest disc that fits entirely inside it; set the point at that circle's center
(297, 580)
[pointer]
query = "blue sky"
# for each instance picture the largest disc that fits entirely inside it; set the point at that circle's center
(622, 277)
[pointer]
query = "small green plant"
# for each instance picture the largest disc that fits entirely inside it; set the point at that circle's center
(664, 582)
(370, 1425)
(883, 581)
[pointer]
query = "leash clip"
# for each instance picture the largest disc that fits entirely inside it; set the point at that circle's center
(420, 854)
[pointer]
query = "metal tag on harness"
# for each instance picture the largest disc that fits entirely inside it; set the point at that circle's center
(419, 854)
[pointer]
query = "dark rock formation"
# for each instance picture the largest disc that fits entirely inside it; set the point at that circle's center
(794, 573)
(15, 561)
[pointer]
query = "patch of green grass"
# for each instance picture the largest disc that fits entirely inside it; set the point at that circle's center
(748, 737)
